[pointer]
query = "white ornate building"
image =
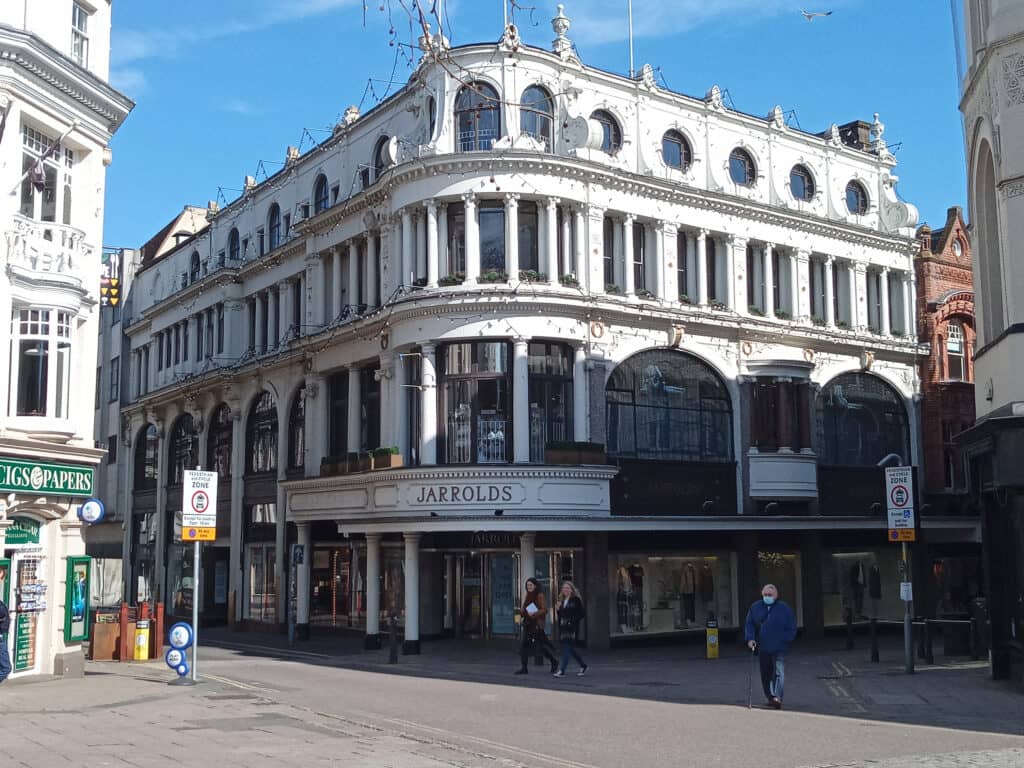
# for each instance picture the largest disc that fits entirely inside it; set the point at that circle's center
(57, 113)
(992, 103)
(513, 252)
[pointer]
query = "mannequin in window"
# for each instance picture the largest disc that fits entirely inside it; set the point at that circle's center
(687, 589)
(625, 588)
(707, 584)
(874, 588)
(858, 580)
(636, 597)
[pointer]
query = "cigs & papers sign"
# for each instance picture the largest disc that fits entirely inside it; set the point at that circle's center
(199, 499)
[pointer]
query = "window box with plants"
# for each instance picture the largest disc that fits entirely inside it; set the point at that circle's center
(494, 276)
(719, 305)
(684, 299)
(755, 310)
(818, 321)
(420, 282)
(646, 295)
(449, 280)
(783, 314)
(568, 452)
(532, 276)
(363, 462)
(897, 333)
(613, 289)
(569, 281)
(842, 324)
(386, 458)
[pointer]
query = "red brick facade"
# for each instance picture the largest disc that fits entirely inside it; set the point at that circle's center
(945, 321)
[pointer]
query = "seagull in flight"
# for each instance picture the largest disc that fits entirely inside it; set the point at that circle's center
(810, 15)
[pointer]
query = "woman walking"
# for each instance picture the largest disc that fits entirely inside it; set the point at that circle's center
(535, 641)
(570, 614)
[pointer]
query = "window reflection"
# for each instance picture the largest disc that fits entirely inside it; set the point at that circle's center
(476, 402)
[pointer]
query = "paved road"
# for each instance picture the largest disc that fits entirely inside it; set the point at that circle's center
(458, 707)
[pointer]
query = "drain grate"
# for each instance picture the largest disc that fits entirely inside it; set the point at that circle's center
(230, 697)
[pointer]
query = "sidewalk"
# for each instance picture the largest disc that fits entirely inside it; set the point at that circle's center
(821, 678)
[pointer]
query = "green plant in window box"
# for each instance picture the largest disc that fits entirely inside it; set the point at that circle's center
(843, 324)
(646, 295)
(420, 282)
(613, 289)
(719, 305)
(872, 329)
(365, 461)
(494, 276)
(569, 452)
(386, 458)
(684, 299)
(783, 314)
(755, 311)
(569, 281)
(449, 280)
(532, 276)
(818, 321)
(897, 333)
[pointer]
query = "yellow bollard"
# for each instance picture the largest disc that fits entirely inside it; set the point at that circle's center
(142, 640)
(711, 628)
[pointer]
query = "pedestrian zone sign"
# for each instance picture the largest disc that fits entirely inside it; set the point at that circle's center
(899, 495)
(199, 506)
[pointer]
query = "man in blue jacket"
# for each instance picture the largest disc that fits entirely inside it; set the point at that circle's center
(769, 629)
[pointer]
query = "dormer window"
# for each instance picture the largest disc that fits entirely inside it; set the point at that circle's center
(194, 267)
(234, 246)
(380, 159)
(477, 117)
(675, 151)
(320, 195)
(611, 133)
(741, 168)
(801, 183)
(80, 34)
(274, 226)
(856, 198)
(536, 115)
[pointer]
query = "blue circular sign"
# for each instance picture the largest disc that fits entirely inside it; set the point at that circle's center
(180, 636)
(92, 511)
(174, 658)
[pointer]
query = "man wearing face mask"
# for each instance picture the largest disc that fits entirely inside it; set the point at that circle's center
(769, 629)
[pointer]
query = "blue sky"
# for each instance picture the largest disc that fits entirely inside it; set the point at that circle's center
(222, 85)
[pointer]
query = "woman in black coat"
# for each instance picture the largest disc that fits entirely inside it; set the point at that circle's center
(570, 614)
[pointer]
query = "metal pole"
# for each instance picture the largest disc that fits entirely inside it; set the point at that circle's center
(195, 611)
(629, 11)
(908, 629)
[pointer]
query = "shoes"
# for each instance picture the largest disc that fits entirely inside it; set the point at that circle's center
(523, 671)
(554, 667)
(775, 702)
(582, 672)
(558, 673)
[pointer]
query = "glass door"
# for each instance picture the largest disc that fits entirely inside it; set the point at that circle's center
(471, 595)
(502, 588)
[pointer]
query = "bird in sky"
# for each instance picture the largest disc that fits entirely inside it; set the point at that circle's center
(810, 15)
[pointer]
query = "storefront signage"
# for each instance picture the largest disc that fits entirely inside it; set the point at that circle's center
(199, 500)
(22, 531)
(35, 477)
(465, 493)
(24, 642)
(496, 539)
(92, 511)
(76, 600)
(899, 494)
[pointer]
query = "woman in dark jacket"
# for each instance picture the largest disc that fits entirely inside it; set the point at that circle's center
(570, 614)
(533, 613)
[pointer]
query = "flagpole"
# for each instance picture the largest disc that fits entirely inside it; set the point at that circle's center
(629, 11)
(46, 155)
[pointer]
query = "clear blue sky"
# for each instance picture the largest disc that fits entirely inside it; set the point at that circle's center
(222, 85)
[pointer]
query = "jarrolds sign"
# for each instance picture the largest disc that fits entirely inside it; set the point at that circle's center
(449, 494)
(36, 477)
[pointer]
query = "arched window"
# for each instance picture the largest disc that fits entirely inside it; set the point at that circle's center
(668, 405)
(611, 133)
(320, 194)
(194, 267)
(380, 159)
(856, 198)
(146, 459)
(536, 115)
(955, 369)
(988, 245)
(261, 435)
(183, 450)
(297, 430)
(234, 249)
(274, 227)
(741, 167)
(862, 420)
(675, 150)
(218, 442)
(801, 183)
(432, 115)
(477, 117)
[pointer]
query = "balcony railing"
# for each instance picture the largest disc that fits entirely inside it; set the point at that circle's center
(44, 246)
(490, 439)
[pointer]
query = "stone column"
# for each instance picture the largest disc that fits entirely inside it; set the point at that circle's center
(411, 646)
(618, 269)
(316, 421)
(472, 240)
(909, 309)
(512, 237)
(385, 376)
(520, 402)
(796, 269)
(769, 279)
(261, 331)
(428, 404)
(314, 295)
(579, 394)
(284, 303)
(432, 258)
(702, 268)
(580, 254)
(273, 318)
(527, 559)
(629, 283)
(668, 235)
(658, 253)
(421, 246)
(804, 416)
(372, 273)
(372, 640)
(567, 254)
(402, 412)
(861, 292)
(161, 513)
(353, 276)
(337, 301)
(883, 301)
(355, 412)
(408, 252)
(236, 577)
(302, 591)
(851, 273)
(830, 300)
(551, 238)
(737, 245)
(784, 415)
(593, 259)
(443, 259)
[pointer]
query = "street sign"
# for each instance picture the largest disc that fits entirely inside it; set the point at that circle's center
(199, 506)
(899, 495)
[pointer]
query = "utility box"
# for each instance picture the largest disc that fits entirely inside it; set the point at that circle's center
(711, 632)
(142, 640)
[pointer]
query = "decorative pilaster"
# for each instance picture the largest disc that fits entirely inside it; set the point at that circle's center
(472, 240)
(428, 405)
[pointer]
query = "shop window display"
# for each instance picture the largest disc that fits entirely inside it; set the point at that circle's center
(863, 584)
(783, 570)
(338, 591)
(670, 593)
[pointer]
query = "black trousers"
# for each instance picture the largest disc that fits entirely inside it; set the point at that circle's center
(536, 643)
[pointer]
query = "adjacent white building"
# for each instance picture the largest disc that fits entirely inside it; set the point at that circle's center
(57, 113)
(513, 254)
(992, 103)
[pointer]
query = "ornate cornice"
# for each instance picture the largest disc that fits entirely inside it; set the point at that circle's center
(461, 473)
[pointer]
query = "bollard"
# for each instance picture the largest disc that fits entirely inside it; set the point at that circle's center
(393, 640)
(849, 630)
(711, 637)
(874, 640)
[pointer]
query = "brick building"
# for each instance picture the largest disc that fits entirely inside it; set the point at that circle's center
(945, 321)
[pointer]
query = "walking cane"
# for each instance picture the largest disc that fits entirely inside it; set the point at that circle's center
(750, 673)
